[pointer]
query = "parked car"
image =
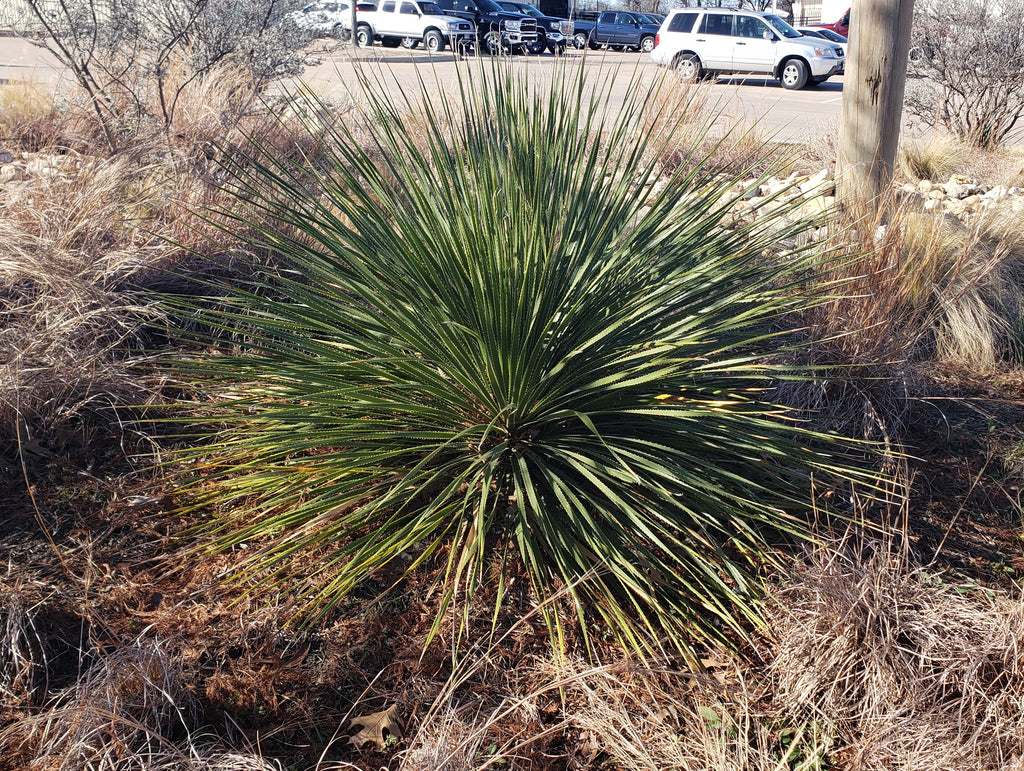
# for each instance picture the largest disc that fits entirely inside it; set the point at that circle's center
(497, 30)
(329, 18)
(701, 43)
(553, 33)
(842, 26)
(410, 22)
(616, 29)
(826, 34)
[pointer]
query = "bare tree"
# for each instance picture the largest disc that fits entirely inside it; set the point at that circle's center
(135, 58)
(967, 59)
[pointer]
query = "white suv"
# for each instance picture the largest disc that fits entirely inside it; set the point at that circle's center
(702, 43)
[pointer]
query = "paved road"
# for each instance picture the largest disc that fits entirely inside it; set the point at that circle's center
(786, 115)
(807, 115)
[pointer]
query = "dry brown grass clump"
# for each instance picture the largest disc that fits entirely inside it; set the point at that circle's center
(126, 709)
(28, 114)
(447, 742)
(20, 649)
(935, 158)
(939, 157)
(905, 286)
(909, 672)
(88, 241)
(74, 241)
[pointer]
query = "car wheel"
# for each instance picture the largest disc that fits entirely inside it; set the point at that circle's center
(537, 46)
(647, 44)
(364, 37)
(557, 49)
(492, 43)
(688, 68)
(433, 41)
(594, 45)
(410, 42)
(579, 41)
(794, 74)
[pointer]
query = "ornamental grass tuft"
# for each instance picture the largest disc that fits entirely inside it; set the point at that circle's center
(512, 343)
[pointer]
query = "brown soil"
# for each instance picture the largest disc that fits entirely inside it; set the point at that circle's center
(87, 543)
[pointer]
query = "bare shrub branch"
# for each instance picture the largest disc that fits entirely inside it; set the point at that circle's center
(968, 58)
(136, 60)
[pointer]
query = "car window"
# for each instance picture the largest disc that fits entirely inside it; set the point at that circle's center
(748, 26)
(431, 9)
(716, 24)
(409, 8)
(626, 18)
(682, 22)
(780, 26)
(388, 7)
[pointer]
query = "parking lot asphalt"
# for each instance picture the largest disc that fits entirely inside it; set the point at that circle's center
(809, 115)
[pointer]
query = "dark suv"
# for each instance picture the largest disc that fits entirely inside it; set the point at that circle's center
(497, 30)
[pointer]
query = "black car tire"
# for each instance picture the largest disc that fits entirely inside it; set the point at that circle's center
(794, 74)
(579, 41)
(492, 43)
(364, 36)
(646, 44)
(433, 41)
(557, 49)
(537, 46)
(410, 42)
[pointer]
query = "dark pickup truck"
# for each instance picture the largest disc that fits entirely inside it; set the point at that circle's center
(497, 30)
(616, 29)
(553, 33)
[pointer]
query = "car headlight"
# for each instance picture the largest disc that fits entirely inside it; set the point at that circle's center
(513, 24)
(828, 53)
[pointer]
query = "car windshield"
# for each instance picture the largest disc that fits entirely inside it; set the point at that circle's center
(532, 10)
(431, 9)
(828, 34)
(780, 26)
(489, 6)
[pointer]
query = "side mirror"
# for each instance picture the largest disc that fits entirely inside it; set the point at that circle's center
(767, 35)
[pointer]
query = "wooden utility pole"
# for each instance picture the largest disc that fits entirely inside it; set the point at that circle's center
(876, 75)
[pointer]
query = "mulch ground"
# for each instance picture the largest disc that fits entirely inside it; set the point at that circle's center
(87, 544)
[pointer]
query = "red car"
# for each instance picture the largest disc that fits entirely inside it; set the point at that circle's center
(842, 26)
